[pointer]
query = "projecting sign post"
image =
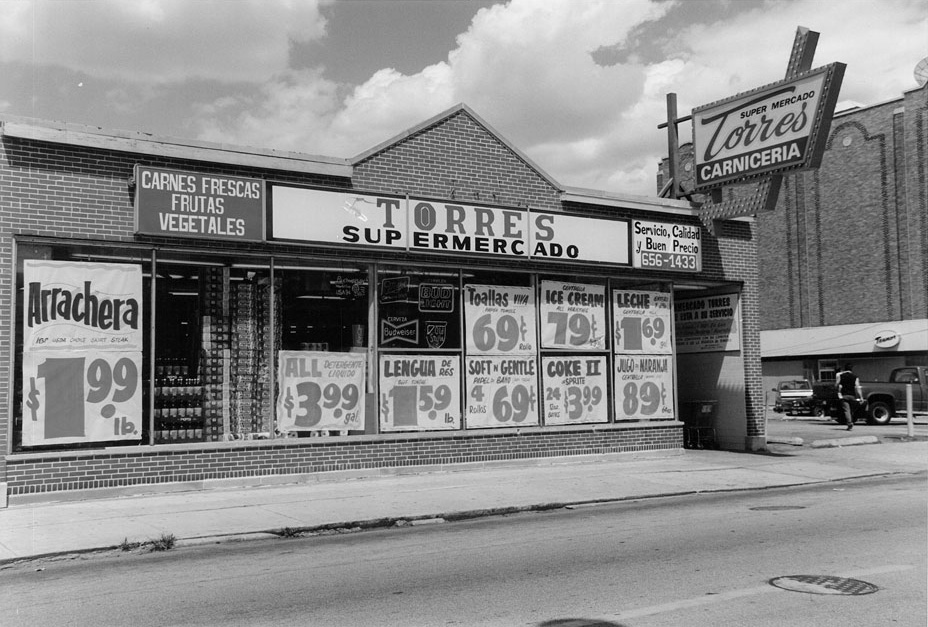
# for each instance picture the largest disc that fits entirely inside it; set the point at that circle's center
(758, 136)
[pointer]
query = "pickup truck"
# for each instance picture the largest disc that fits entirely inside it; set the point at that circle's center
(885, 399)
(795, 397)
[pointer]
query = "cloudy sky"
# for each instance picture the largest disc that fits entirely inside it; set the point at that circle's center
(578, 85)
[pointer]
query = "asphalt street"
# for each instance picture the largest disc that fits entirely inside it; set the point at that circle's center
(700, 560)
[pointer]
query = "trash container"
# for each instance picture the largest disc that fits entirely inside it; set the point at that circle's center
(699, 424)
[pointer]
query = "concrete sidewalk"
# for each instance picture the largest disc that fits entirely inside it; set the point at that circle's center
(29, 530)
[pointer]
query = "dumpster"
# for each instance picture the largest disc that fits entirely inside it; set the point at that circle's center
(699, 424)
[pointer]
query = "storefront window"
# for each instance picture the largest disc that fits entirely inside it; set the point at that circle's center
(418, 309)
(323, 362)
(643, 346)
(211, 356)
(82, 320)
(501, 362)
(254, 348)
(574, 337)
(419, 334)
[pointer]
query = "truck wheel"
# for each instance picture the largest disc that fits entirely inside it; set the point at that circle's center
(879, 413)
(818, 412)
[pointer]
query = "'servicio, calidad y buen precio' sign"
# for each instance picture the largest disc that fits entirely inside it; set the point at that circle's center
(190, 204)
(663, 246)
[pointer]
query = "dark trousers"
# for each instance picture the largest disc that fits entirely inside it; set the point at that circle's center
(849, 406)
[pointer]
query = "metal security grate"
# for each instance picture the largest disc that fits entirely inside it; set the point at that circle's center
(823, 584)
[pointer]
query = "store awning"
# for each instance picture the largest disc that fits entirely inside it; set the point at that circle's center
(877, 337)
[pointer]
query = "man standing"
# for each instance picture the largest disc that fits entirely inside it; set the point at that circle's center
(850, 394)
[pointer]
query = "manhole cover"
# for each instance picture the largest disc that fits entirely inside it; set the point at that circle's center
(776, 508)
(823, 584)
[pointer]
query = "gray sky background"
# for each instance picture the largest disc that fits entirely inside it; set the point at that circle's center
(578, 85)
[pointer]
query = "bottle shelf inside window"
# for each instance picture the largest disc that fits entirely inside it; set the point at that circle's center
(178, 409)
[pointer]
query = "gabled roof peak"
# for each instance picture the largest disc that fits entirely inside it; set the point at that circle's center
(457, 109)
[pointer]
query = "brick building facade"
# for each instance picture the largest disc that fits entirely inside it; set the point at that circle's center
(218, 312)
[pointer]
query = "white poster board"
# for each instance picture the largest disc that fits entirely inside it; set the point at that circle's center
(643, 387)
(501, 391)
(575, 389)
(708, 323)
(82, 352)
(420, 392)
(320, 391)
(573, 316)
(81, 306)
(641, 322)
(81, 396)
(499, 320)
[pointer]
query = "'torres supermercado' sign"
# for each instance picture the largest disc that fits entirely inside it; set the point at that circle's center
(191, 204)
(417, 225)
(771, 129)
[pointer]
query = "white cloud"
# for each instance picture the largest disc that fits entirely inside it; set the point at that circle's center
(294, 111)
(524, 66)
(159, 41)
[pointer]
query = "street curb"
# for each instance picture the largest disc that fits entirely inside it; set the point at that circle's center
(412, 521)
(790, 441)
(839, 442)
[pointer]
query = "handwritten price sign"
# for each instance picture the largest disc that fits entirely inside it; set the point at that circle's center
(643, 387)
(420, 392)
(500, 320)
(87, 396)
(575, 390)
(501, 392)
(573, 316)
(320, 391)
(642, 322)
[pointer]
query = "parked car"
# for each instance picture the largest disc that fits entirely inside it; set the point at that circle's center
(885, 400)
(795, 397)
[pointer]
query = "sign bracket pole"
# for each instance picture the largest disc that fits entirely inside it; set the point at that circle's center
(764, 195)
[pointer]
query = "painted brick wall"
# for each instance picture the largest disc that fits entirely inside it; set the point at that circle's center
(51, 473)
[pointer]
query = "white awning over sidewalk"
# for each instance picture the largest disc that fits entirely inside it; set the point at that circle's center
(877, 337)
